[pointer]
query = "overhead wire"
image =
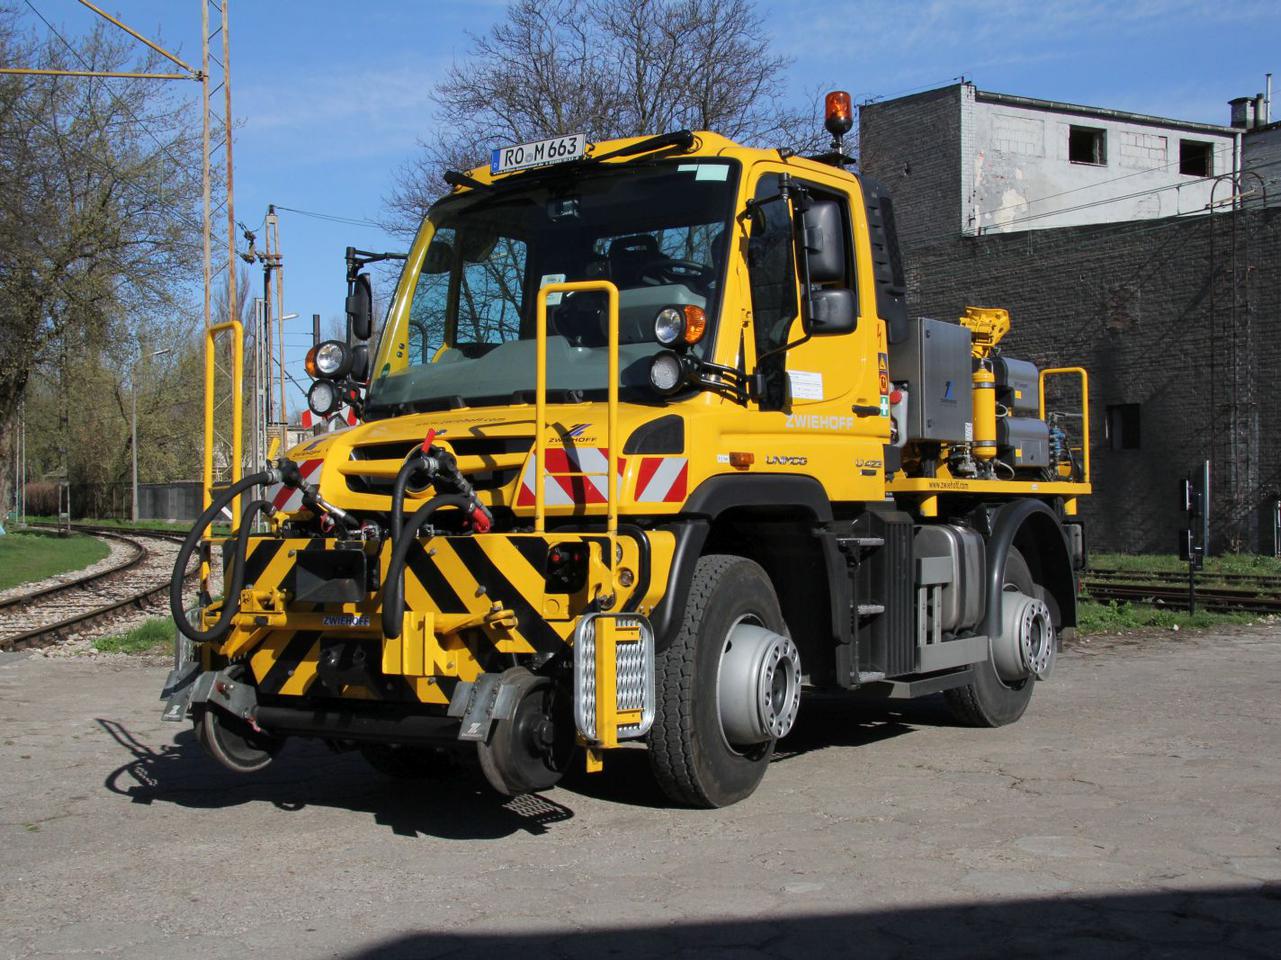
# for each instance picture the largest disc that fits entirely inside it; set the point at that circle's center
(332, 217)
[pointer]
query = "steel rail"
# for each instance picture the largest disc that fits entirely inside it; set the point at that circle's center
(22, 599)
(1262, 580)
(50, 633)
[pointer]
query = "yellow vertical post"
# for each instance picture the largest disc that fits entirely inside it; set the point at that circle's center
(611, 433)
(540, 412)
(1085, 408)
(540, 398)
(606, 682)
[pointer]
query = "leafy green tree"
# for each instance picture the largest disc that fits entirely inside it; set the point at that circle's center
(99, 240)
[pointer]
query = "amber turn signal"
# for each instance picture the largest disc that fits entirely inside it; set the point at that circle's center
(695, 323)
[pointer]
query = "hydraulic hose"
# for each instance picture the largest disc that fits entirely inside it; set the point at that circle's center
(417, 462)
(394, 583)
(203, 522)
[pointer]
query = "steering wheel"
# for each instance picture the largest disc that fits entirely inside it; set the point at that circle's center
(677, 271)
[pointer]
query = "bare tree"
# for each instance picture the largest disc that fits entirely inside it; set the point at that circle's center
(607, 68)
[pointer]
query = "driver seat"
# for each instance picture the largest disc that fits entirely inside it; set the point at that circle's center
(630, 257)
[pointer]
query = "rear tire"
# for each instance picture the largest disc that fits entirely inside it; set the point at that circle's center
(690, 756)
(989, 701)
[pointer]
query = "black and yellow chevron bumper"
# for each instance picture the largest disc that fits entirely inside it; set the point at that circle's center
(474, 604)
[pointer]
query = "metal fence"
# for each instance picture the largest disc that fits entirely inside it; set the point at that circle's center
(177, 500)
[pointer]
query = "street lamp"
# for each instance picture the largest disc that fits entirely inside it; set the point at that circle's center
(133, 377)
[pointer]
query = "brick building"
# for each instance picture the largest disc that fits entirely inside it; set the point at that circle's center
(1116, 242)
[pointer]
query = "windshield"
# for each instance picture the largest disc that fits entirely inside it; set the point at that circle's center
(659, 231)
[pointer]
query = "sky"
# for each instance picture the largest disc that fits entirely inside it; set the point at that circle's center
(332, 98)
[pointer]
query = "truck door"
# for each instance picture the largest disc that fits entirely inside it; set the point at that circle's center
(828, 389)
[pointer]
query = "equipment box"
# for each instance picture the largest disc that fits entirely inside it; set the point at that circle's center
(934, 360)
(1018, 386)
(1024, 441)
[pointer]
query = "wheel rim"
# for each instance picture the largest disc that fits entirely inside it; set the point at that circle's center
(1025, 650)
(757, 685)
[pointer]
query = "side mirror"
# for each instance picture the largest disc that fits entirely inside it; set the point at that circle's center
(834, 311)
(360, 307)
(824, 241)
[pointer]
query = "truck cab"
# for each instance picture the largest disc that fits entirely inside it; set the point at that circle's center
(649, 449)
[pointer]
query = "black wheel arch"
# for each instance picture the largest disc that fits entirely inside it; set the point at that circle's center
(774, 521)
(1037, 531)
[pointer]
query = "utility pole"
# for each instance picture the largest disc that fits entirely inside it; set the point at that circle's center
(275, 262)
(133, 384)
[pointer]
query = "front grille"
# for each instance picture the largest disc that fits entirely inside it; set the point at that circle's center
(490, 463)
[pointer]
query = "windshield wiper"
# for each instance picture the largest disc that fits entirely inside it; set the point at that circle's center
(679, 140)
(456, 178)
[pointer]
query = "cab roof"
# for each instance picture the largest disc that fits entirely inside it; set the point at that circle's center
(705, 144)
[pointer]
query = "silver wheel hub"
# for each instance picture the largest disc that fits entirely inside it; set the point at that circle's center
(758, 685)
(1027, 645)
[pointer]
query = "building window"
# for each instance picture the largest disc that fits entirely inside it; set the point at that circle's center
(1196, 158)
(1087, 145)
(1123, 426)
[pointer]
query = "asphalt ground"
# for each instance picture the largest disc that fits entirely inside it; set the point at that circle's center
(1135, 811)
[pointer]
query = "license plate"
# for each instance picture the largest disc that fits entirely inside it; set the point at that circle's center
(540, 153)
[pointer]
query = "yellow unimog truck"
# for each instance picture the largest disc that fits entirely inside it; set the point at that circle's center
(650, 450)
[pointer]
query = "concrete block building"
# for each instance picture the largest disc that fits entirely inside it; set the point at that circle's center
(1129, 244)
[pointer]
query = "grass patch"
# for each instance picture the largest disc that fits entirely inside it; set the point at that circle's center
(1112, 617)
(1234, 563)
(153, 636)
(25, 557)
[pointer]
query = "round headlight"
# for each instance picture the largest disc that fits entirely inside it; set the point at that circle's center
(333, 359)
(323, 398)
(666, 373)
(669, 325)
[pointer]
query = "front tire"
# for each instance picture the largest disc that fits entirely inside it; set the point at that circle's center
(990, 701)
(690, 754)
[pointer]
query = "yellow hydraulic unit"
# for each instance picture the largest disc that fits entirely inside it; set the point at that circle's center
(987, 325)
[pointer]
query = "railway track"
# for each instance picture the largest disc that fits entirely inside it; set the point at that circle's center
(50, 614)
(1221, 599)
(1265, 582)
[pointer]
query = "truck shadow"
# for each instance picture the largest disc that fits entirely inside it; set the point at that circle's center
(456, 806)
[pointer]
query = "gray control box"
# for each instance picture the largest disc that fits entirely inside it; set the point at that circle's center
(934, 360)
(1023, 441)
(1018, 385)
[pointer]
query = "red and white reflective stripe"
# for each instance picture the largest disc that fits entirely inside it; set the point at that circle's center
(658, 479)
(346, 415)
(288, 499)
(662, 479)
(560, 490)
